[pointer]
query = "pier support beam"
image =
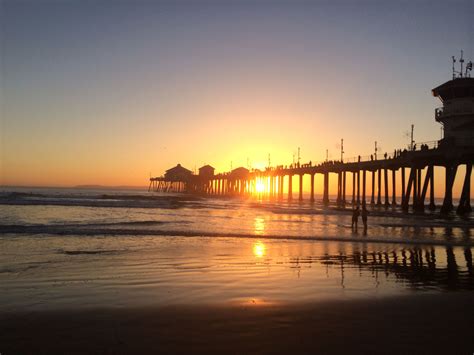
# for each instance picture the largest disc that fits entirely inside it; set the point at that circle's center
(326, 188)
(290, 187)
(363, 186)
(403, 184)
(465, 200)
(272, 187)
(394, 188)
(448, 193)
(358, 187)
(379, 187)
(344, 187)
(411, 178)
(385, 178)
(353, 187)
(418, 180)
(300, 198)
(421, 200)
(432, 197)
(372, 197)
(312, 188)
(415, 188)
(282, 186)
(339, 188)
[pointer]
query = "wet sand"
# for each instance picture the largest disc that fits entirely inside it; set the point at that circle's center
(88, 278)
(439, 323)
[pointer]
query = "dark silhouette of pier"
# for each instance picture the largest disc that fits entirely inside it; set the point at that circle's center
(455, 149)
(417, 266)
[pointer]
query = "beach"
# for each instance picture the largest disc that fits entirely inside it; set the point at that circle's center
(101, 272)
(236, 177)
(421, 324)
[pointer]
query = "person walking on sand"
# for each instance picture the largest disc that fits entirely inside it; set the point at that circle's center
(364, 217)
(355, 216)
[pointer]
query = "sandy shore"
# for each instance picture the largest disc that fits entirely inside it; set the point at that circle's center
(440, 323)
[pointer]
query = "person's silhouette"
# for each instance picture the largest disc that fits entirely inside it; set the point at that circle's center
(355, 216)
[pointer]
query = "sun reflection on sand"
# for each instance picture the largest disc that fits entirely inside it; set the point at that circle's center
(259, 249)
(256, 302)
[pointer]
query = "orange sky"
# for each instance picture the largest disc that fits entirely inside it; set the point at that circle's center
(106, 95)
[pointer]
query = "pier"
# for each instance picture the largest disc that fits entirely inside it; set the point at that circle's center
(409, 171)
(409, 166)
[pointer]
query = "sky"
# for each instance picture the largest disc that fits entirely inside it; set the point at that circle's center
(109, 92)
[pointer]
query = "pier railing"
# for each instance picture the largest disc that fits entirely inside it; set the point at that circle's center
(440, 112)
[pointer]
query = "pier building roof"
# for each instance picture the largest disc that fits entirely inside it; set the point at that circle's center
(456, 88)
(239, 173)
(178, 173)
(206, 170)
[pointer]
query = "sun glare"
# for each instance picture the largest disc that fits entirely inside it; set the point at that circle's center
(259, 187)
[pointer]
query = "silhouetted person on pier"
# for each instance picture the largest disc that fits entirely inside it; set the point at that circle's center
(364, 214)
(355, 216)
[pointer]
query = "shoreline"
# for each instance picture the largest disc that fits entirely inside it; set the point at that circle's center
(358, 238)
(422, 323)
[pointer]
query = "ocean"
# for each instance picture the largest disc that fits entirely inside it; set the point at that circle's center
(63, 248)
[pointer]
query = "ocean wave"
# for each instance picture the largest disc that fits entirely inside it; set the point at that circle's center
(88, 252)
(184, 201)
(102, 200)
(126, 223)
(66, 230)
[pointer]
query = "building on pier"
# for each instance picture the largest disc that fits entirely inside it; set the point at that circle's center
(239, 173)
(206, 171)
(457, 113)
(178, 173)
(176, 179)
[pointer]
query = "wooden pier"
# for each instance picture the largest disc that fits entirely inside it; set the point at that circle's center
(454, 150)
(407, 168)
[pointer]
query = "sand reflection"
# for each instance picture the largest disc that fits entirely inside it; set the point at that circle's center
(259, 249)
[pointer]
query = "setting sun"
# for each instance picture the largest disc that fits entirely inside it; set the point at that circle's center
(259, 187)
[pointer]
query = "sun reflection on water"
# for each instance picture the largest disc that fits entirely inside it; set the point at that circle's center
(259, 225)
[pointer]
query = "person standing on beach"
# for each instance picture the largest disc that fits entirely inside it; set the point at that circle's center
(355, 217)
(364, 217)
